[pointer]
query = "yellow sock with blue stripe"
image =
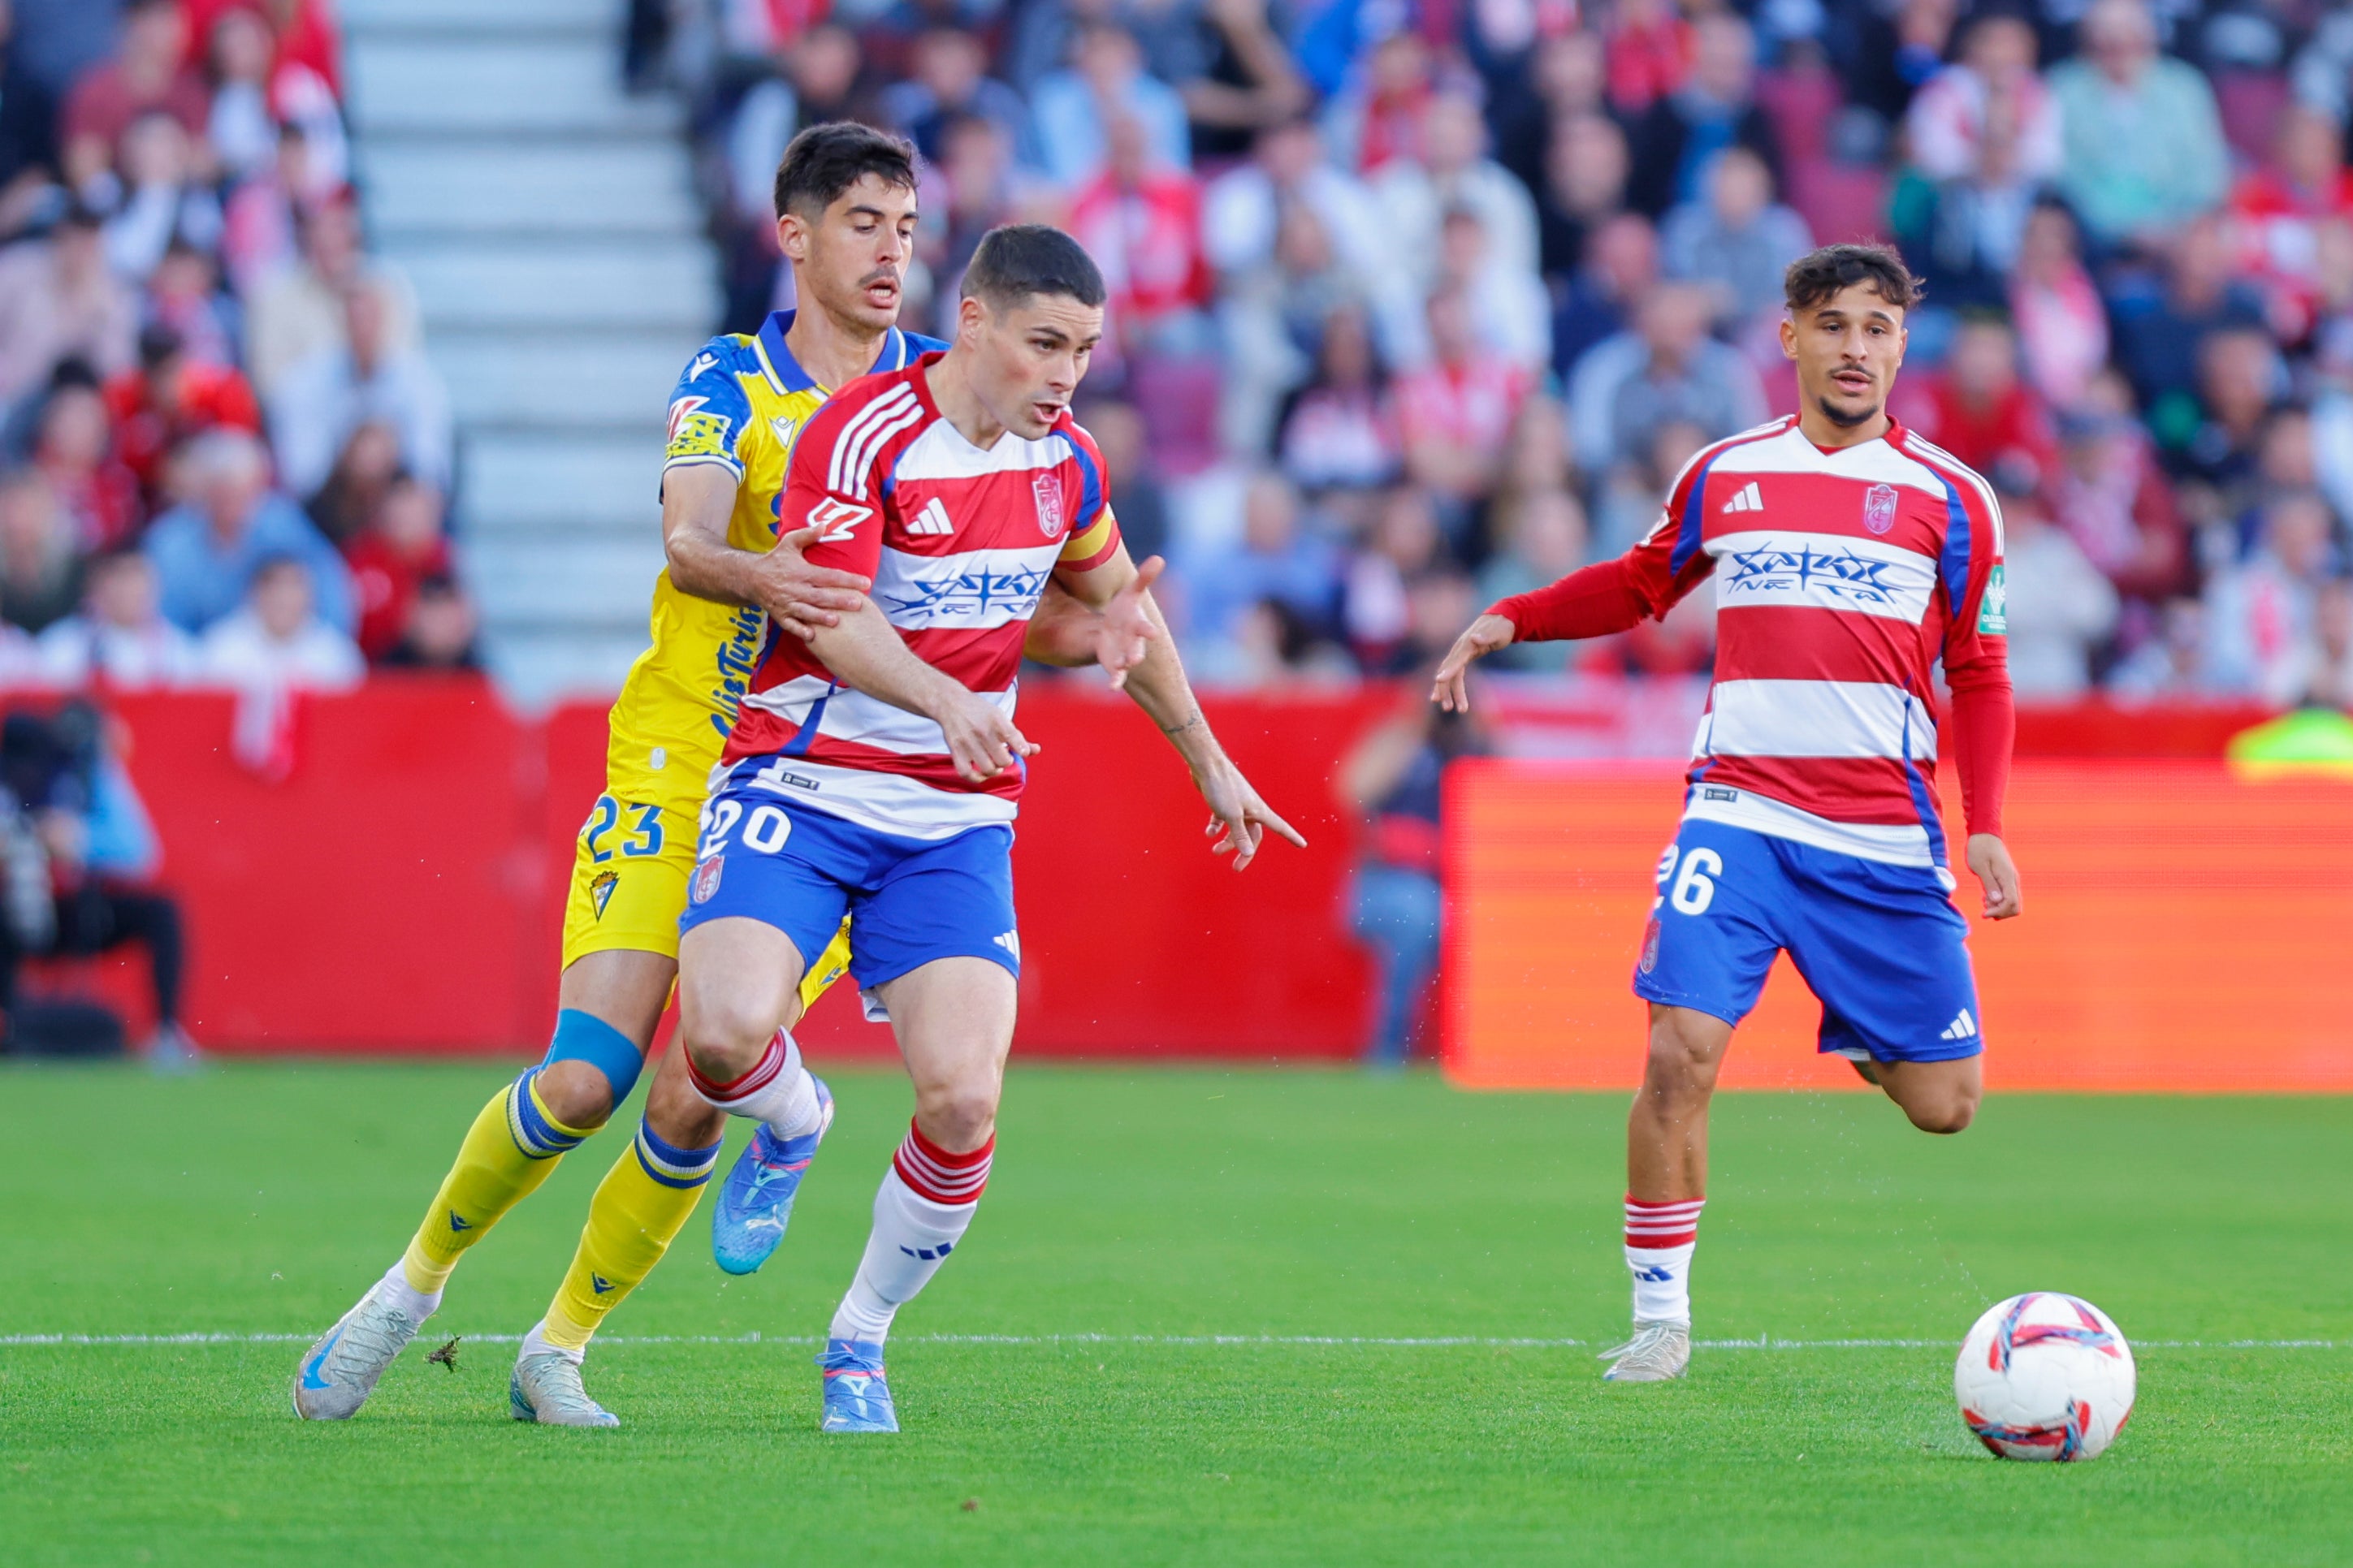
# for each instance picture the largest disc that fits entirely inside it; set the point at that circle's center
(513, 1145)
(639, 1208)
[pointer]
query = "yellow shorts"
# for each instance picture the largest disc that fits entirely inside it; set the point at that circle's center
(630, 870)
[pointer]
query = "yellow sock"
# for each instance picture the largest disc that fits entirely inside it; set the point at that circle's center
(513, 1145)
(639, 1208)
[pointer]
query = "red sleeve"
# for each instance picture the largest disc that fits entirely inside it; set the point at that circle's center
(1984, 728)
(824, 493)
(1615, 596)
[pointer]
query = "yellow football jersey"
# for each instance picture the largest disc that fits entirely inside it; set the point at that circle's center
(739, 403)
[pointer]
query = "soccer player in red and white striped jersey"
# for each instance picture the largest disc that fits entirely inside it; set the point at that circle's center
(1850, 557)
(875, 768)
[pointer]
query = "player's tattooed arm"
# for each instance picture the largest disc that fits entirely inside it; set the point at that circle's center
(1238, 819)
(867, 654)
(697, 502)
(1070, 634)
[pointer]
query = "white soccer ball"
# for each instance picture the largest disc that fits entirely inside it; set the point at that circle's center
(2045, 1377)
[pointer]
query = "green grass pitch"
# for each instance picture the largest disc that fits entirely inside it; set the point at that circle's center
(1153, 1208)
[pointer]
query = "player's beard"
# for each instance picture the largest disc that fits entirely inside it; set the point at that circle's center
(1844, 419)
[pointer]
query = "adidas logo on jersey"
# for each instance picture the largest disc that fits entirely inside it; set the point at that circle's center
(1961, 1028)
(1746, 499)
(933, 519)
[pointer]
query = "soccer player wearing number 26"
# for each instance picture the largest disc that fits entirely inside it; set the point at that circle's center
(876, 766)
(1848, 555)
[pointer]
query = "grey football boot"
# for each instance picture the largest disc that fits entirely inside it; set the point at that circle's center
(340, 1370)
(546, 1388)
(1658, 1352)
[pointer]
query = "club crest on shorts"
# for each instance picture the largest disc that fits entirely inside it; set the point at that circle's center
(706, 879)
(1879, 507)
(600, 891)
(1047, 490)
(1651, 946)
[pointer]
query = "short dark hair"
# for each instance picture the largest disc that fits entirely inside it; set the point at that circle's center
(1020, 260)
(824, 161)
(1813, 278)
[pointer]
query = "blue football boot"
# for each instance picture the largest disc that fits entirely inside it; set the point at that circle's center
(755, 1202)
(857, 1399)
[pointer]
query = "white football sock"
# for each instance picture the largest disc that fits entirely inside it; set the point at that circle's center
(415, 1303)
(778, 1091)
(914, 1232)
(536, 1343)
(1659, 1240)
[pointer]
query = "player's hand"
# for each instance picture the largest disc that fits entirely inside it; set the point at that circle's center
(1452, 691)
(801, 598)
(981, 740)
(1990, 858)
(1124, 628)
(1238, 819)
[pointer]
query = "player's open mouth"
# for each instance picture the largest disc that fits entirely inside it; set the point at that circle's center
(1852, 381)
(1047, 413)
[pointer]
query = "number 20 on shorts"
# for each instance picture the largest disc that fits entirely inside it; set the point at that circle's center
(1690, 887)
(764, 830)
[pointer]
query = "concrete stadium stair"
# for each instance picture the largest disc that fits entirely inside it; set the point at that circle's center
(548, 223)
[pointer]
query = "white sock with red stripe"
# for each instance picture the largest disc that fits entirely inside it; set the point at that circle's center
(927, 1199)
(778, 1091)
(1659, 1240)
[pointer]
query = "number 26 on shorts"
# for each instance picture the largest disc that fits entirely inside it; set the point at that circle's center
(1690, 887)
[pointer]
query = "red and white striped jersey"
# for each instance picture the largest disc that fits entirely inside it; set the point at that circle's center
(960, 543)
(1841, 577)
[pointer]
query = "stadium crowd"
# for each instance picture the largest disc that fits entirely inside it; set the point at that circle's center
(223, 457)
(1419, 303)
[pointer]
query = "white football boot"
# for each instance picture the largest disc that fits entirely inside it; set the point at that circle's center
(1658, 1352)
(340, 1370)
(546, 1388)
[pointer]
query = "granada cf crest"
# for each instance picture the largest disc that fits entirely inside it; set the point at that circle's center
(600, 891)
(1650, 960)
(1879, 507)
(1048, 491)
(706, 879)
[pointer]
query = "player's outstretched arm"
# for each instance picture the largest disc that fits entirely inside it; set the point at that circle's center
(697, 502)
(866, 653)
(1070, 634)
(1451, 690)
(1238, 819)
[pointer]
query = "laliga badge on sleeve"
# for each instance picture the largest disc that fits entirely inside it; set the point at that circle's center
(1993, 615)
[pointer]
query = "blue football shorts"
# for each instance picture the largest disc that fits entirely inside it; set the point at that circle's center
(910, 900)
(1881, 946)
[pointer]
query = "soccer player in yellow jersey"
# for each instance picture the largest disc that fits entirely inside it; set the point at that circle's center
(846, 206)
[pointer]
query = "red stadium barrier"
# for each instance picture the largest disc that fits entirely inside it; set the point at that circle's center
(400, 888)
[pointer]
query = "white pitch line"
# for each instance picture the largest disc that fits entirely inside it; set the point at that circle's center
(1764, 1342)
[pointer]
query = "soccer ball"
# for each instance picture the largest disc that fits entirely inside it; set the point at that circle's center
(2045, 1377)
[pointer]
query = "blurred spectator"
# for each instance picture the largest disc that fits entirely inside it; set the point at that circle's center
(1632, 495)
(2277, 211)
(2260, 635)
(1276, 560)
(1650, 53)
(1621, 263)
(275, 642)
(2158, 338)
(1246, 81)
(73, 450)
(2144, 143)
(1073, 108)
(2240, 378)
(2115, 505)
(265, 214)
(164, 198)
(40, 571)
(1378, 114)
(1375, 611)
(1340, 430)
(1586, 167)
(1713, 109)
(58, 298)
(1455, 414)
(2170, 665)
(1393, 779)
(814, 77)
(185, 294)
(1738, 241)
(1243, 209)
(119, 634)
(302, 33)
(28, 133)
(2061, 609)
(1120, 436)
(2063, 325)
(1141, 224)
(1451, 171)
(441, 630)
(1667, 369)
(1976, 407)
(951, 81)
(1993, 83)
(1543, 539)
(147, 72)
(973, 186)
(2332, 675)
(1510, 311)
(302, 312)
(402, 547)
(362, 475)
(366, 379)
(207, 549)
(170, 399)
